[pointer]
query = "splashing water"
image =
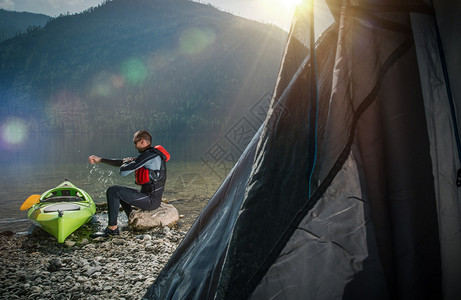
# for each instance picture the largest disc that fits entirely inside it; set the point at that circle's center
(100, 179)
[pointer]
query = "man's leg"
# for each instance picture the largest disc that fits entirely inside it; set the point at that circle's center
(113, 203)
(127, 197)
(117, 195)
(126, 208)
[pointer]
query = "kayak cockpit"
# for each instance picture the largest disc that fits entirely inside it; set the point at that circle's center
(63, 199)
(63, 195)
(61, 207)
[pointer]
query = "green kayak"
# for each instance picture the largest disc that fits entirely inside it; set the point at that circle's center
(62, 210)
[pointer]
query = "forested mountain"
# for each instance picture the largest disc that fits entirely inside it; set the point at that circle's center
(166, 65)
(14, 23)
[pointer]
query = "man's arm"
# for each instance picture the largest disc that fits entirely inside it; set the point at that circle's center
(93, 159)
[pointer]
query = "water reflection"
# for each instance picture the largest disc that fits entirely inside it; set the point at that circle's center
(46, 160)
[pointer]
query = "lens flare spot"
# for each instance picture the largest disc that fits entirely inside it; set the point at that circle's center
(102, 85)
(134, 71)
(118, 81)
(289, 4)
(193, 41)
(14, 131)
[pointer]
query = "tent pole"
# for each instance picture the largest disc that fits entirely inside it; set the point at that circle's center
(449, 94)
(313, 97)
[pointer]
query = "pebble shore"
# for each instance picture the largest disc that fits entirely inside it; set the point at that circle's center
(35, 266)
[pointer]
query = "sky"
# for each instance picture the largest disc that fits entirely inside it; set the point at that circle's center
(277, 12)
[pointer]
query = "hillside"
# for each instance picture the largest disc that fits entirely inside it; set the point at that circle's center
(169, 65)
(14, 23)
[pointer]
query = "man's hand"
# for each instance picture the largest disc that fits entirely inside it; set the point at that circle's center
(93, 159)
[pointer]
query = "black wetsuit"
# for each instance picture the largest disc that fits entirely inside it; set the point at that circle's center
(150, 195)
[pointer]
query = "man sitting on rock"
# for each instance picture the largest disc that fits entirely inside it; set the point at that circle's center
(150, 173)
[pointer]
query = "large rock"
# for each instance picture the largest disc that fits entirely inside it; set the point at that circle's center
(165, 215)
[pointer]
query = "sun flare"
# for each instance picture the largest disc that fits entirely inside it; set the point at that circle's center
(289, 4)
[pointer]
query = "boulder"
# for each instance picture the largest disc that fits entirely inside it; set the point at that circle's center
(165, 215)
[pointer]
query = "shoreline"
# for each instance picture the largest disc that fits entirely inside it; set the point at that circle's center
(35, 266)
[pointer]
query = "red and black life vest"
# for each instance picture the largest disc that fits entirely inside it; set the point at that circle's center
(145, 176)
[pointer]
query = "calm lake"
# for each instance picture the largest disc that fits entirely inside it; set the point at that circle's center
(198, 165)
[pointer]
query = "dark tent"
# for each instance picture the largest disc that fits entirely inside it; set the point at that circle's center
(349, 189)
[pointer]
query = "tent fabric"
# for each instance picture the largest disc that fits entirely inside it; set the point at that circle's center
(316, 250)
(443, 151)
(348, 190)
(375, 83)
